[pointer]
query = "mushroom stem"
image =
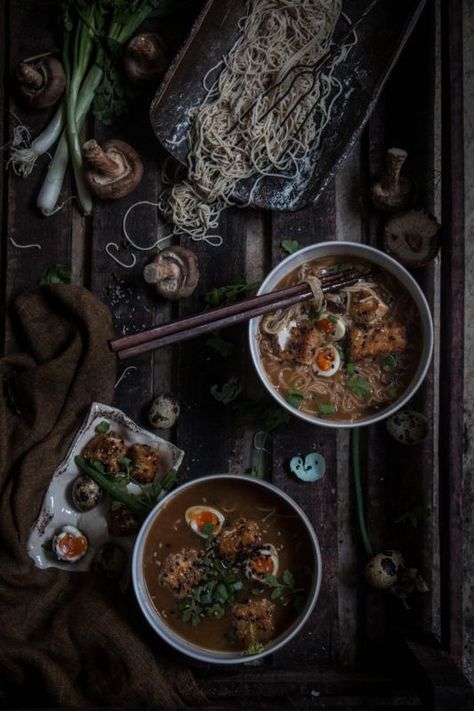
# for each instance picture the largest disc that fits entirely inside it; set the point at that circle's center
(158, 271)
(142, 46)
(99, 160)
(396, 157)
(30, 76)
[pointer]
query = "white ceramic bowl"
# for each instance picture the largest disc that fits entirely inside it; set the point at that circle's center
(174, 639)
(380, 259)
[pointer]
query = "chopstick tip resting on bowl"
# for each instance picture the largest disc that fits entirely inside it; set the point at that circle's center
(199, 324)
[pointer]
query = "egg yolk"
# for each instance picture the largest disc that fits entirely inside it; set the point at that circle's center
(325, 325)
(325, 360)
(204, 518)
(72, 546)
(262, 564)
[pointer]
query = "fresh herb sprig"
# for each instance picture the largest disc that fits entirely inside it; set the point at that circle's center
(286, 589)
(55, 274)
(290, 246)
(222, 295)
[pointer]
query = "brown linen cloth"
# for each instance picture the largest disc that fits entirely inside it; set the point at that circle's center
(68, 637)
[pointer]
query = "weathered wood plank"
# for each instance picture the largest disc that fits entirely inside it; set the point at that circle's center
(318, 640)
(24, 224)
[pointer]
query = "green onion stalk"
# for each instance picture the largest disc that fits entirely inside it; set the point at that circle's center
(94, 35)
(358, 491)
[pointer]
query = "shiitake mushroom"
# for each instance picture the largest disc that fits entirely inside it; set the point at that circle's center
(40, 82)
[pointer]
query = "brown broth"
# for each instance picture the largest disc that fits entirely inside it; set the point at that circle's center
(280, 526)
(285, 376)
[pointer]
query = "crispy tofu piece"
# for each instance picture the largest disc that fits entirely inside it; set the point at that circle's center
(181, 572)
(366, 307)
(303, 343)
(376, 341)
(240, 538)
(147, 461)
(253, 620)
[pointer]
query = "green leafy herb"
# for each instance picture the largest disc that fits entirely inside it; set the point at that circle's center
(351, 368)
(282, 590)
(102, 427)
(221, 295)
(55, 274)
(333, 319)
(228, 391)
(316, 315)
(416, 516)
(208, 528)
(254, 648)
(257, 591)
(256, 472)
(340, 267)
(220, 345)
(290, 246)
(294, 398)
(359, 386)
(388, 363)
(326, 409)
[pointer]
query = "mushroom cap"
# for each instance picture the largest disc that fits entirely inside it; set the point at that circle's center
(144, 58)
(408, 427)
(383, 569)
(52, 89)
(392, 192)
(114, 187)
(174, 272)
(164, 411)
(412, 237)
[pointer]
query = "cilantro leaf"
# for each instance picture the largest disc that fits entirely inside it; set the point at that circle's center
(294, 398)
(359, 386)
(102, 427)
(326, 408)
(55, 274)
(290, 246)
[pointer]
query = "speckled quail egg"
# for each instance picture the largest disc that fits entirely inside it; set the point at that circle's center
(332, 326)
(164, 411)
(327, 361)
(110, 561)
(204, 520)
(383, 569)
(86, 493)
(70, 544)
(263, 561)
(408, 426)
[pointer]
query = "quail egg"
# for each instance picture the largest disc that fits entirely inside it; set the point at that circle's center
(408, 426)
(204, 520)
(164, 411)
(70, 544)
(383, 569)
(263, 561)
(86, 493)
(327, 361)
(332, 326)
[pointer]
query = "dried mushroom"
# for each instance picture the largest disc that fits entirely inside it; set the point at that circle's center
(40, 83)
(145, 59)
(412, 238)
(174, 272)
(164, 411)
(113, 170)
(392, 192)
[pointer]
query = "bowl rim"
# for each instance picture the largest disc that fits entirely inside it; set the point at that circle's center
(180, 643)
(393, 266)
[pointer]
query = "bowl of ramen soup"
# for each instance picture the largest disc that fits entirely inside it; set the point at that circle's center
(227, 568)
(351, 356)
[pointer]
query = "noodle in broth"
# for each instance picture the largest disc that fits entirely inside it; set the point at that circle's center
(370, 365)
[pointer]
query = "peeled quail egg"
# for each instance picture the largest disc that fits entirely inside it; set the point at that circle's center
(408, 426)
(204, 520)
(70, 544)
(86, 493)
(383, 569)
(332, 326)
(327, 361)
(263, 561)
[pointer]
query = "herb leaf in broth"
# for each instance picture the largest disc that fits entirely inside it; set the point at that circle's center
(339, 267)
(326, 408)
(388, 363)
(254, 648)
(351, 368)
(208, 528)
(294, 398)
(282, 590)
(359, 386)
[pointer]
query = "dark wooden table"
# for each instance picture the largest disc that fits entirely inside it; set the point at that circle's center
(360, 648)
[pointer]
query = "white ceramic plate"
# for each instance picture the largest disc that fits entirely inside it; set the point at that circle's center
(57, 509)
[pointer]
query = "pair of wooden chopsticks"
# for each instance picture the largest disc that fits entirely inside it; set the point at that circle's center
(223, 316)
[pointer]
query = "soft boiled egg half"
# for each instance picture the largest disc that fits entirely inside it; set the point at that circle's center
(327, 361)
(332, 326)
(204, 520)
(70, 544)
(264, 561)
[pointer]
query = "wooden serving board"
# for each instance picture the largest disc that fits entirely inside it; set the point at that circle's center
(382, 36)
